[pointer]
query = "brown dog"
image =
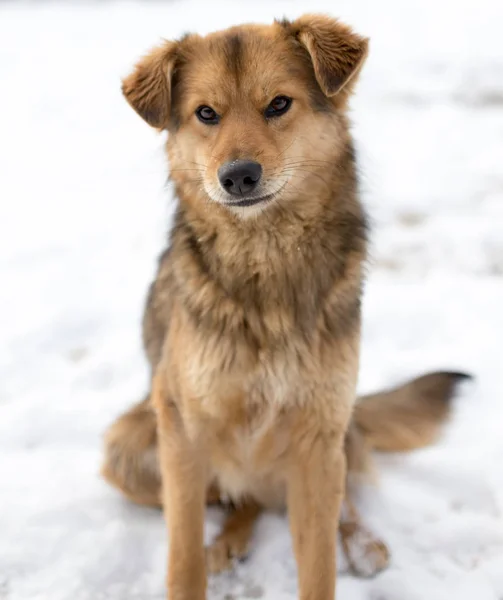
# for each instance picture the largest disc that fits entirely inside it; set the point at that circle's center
(252, 326)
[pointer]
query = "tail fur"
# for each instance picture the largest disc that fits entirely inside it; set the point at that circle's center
(407, 417)
(401, 419)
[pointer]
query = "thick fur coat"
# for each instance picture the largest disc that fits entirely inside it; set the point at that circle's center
(252, 325)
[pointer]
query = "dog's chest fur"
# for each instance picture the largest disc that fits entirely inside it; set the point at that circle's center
(246, 407)
(251, 333)
(248, 417)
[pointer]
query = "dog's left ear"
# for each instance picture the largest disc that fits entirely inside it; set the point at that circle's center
(337, 53)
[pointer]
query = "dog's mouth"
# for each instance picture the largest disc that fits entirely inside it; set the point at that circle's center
(251, 201)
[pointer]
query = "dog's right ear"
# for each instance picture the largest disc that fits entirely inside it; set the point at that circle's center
(148, 87)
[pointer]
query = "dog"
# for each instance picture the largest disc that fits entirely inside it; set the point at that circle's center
(252, 325)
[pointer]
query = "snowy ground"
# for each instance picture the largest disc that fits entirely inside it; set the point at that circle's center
(83, 210)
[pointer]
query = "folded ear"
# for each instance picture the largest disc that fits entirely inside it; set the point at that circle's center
(148, 87)
(336, 52)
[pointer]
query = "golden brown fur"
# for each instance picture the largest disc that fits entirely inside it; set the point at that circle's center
(252, 326)
(401, 419)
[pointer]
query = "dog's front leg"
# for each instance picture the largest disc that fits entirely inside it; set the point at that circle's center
(183, 469)
(315, 492)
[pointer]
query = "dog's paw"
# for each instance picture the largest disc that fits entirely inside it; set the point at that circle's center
(220, 555)
(366, 554)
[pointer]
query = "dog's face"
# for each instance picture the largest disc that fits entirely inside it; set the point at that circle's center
(253, 112)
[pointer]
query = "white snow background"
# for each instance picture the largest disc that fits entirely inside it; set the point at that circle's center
(83, 214)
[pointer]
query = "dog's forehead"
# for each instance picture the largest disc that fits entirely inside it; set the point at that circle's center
(254, 59)
(244, 41)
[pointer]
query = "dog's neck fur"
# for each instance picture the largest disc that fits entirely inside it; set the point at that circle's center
(288, 260)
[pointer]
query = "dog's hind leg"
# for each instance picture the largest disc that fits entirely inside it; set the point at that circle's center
(234, 539)
(366, 554)
(131, 461)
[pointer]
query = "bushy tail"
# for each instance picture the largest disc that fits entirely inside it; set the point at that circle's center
(409, 416)
(403, 418)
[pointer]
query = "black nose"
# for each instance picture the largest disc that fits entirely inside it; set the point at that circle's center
(239, 177)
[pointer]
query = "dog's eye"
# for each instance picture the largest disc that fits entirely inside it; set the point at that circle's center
(207, 115)
(278, 106)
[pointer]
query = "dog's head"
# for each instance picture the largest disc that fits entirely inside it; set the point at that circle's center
(254, 113)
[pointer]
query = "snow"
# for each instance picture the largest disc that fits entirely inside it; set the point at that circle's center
(83, 213)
